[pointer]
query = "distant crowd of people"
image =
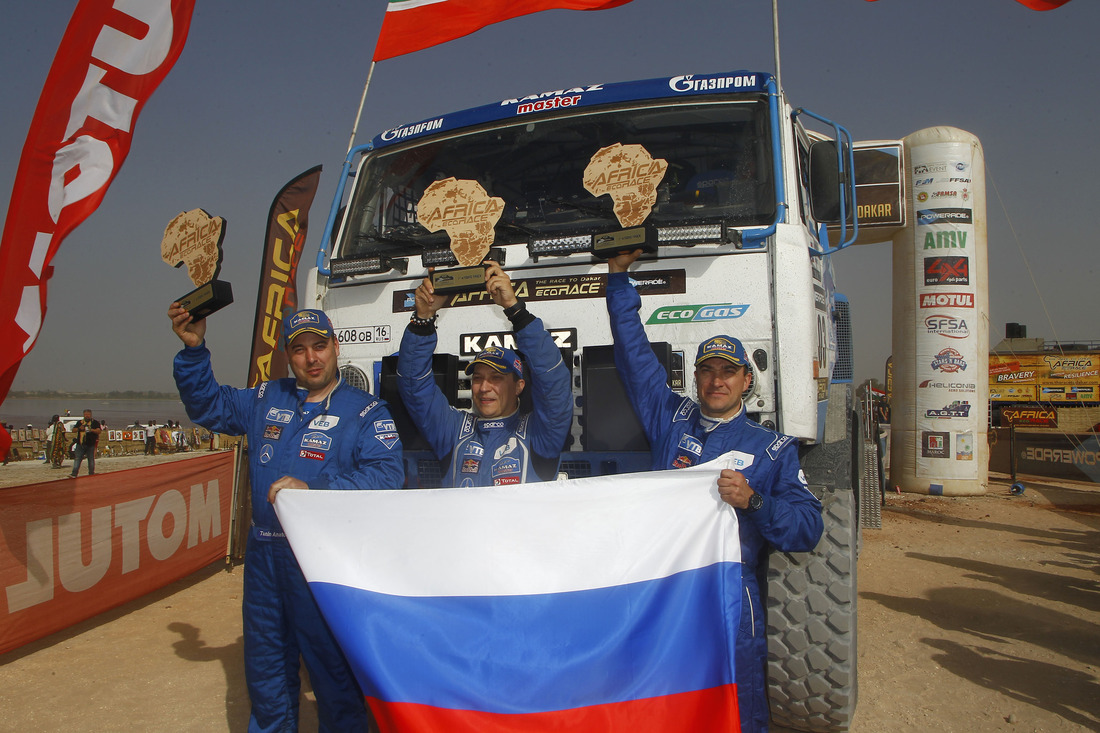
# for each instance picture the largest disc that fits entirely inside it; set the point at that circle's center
(78, 440)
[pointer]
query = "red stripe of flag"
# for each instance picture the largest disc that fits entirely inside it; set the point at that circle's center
(108, 64)
(713, 709)
(1034, 4)
(413, 25)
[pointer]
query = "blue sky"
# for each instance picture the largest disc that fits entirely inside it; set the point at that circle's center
(266, 89)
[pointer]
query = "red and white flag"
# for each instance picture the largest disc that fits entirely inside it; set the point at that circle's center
(112, 57)
(1034, 4)
(412, 25)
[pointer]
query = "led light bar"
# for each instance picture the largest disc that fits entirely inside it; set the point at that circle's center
(438, 258)
(367, 266)
(693, 234)
(548, 246)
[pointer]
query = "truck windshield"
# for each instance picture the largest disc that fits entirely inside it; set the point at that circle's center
(719, 169)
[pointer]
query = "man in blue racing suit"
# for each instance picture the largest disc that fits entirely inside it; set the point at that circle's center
(496, 444)
(768, 489)
(313, 431)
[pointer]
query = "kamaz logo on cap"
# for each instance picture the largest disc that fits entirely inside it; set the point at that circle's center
(720, 344)
(304, 317)
(696, 313)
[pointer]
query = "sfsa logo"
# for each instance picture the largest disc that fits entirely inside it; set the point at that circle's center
(952, 328)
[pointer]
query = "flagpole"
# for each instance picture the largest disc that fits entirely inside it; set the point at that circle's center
(359, 114)
(775, 41)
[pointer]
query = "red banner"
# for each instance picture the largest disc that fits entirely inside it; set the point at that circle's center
(70, 549)
(287, 224)
(412, 25)
(1035, 4)
(112, 57)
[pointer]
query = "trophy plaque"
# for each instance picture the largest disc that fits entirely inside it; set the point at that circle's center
(194, 239)
(468, 214)
(609, 244)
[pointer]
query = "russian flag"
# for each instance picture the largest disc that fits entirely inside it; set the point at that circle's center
(600, 604)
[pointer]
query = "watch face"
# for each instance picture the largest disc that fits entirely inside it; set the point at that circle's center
(755, 502)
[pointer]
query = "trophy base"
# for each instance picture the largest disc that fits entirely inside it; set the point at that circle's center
(611, 244)
(207, 299)
(458, 280)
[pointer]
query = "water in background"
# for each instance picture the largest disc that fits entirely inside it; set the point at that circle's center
(118, 414)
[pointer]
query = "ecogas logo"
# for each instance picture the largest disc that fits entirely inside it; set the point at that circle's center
(697, 313)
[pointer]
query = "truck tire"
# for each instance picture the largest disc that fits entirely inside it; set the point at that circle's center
(812, 682)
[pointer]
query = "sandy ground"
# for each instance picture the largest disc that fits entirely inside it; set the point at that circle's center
(975, 614)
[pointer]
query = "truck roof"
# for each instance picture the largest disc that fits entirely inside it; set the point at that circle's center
(580, 96)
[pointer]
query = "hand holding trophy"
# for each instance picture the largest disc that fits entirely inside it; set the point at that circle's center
(194, 238)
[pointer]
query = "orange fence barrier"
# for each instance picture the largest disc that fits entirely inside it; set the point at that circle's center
(73, 548)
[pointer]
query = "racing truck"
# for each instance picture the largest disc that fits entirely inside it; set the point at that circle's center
(734, 196)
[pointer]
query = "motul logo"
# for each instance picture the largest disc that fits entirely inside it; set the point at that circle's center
(947, 300)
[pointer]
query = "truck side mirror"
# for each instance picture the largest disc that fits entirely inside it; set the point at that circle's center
(824, 182)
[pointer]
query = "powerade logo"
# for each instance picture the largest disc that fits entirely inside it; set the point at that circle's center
(954, 216)
(697, 313)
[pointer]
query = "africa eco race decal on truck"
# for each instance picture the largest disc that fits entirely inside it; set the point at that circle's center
(564, 287)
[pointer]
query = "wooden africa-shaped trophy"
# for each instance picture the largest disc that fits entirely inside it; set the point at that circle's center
(194, 239)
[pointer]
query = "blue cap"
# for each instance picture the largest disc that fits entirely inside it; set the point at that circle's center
(723, 347)
(306, 321)
(502, 360)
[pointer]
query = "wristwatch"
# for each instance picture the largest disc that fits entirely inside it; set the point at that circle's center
(756, 501)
